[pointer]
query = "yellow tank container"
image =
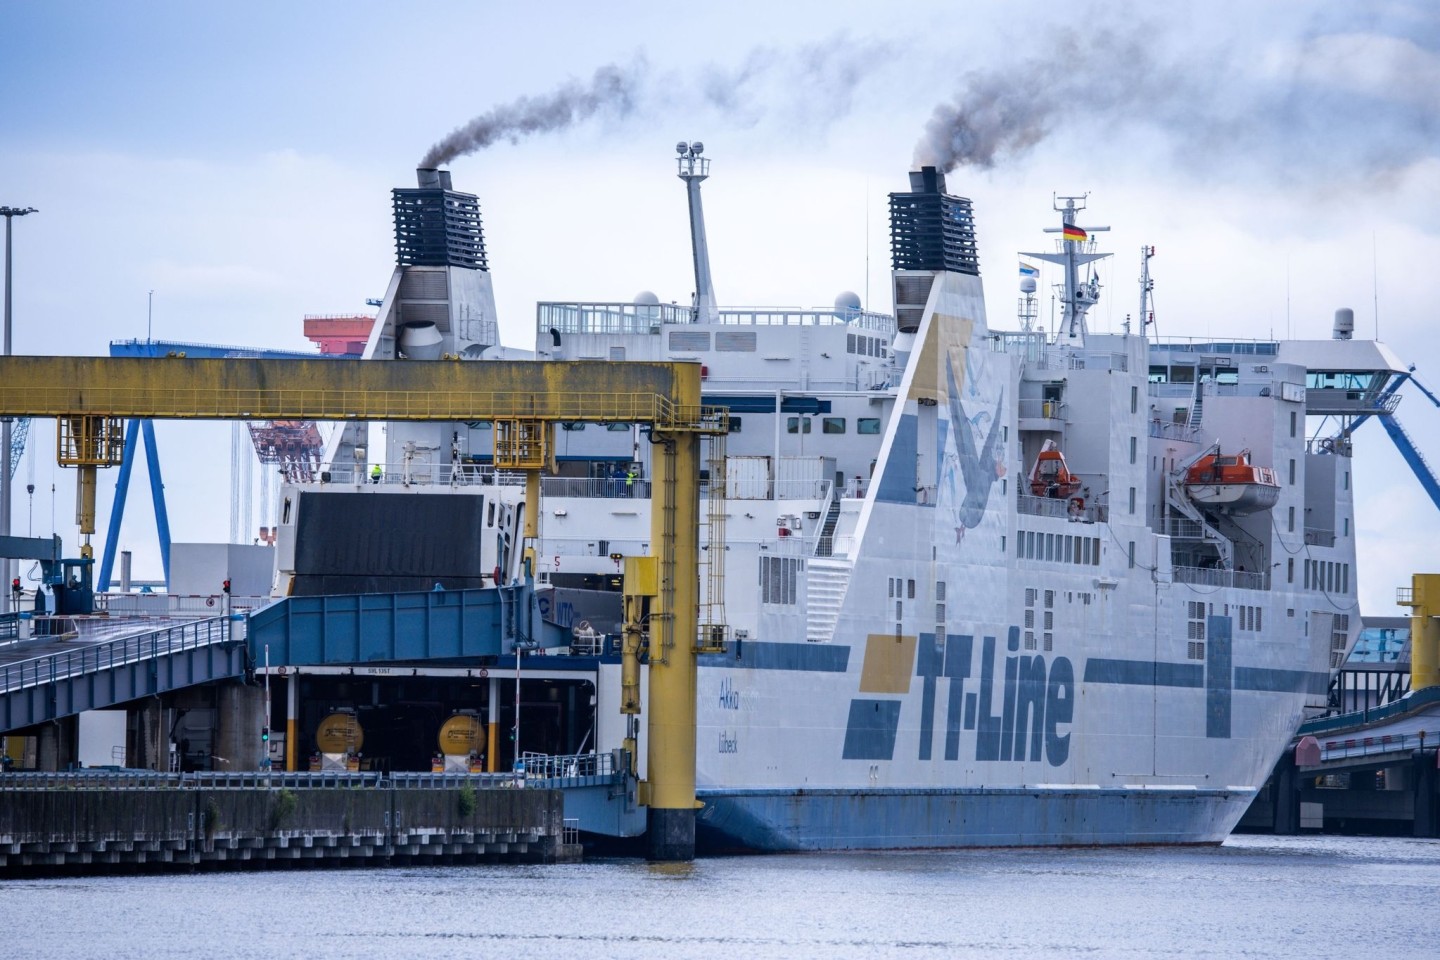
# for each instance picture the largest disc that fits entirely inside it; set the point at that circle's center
(462, 735)
(339, 733)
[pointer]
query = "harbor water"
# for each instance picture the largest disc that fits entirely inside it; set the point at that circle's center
(1251, 897)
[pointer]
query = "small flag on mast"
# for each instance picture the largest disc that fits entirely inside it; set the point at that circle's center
(1072, 232)
(1027, 270)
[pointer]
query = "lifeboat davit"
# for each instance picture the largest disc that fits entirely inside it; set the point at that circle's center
(1051, 477)
(1230, 483)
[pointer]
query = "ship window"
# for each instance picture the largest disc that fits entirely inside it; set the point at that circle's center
(734, 424)
(867, 425)
(898, 614)
(490, 517)
(1292, 473)
(1347, 480)
(572, 426)
(285, 513)
(1292, 423)
(1132, 449)
(1259, 618)
(891, 583)
(1132, 499)
(1291, 520)
(794, 424)
(1290, 570)
(1002, 543)
(832, 425)
(620, 427)
(1131, 554)
(1134, 405)
(1347, 527)
(1049, 547)
(910, 592)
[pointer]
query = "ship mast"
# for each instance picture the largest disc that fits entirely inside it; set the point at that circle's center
(693, 169)
(1147, 287)
(1077, 248)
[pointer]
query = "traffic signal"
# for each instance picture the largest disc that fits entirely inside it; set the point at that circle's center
(225, 586)
(264, 734)
(15, 586)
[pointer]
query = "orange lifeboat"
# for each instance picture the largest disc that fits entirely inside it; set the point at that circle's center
(1050, 476)
(1231, 483)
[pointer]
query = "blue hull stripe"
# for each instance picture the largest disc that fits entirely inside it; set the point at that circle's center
(1281, 681)
(757, 655)
(1145, 673)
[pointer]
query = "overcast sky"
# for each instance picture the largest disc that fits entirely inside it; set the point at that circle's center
(1283, 158)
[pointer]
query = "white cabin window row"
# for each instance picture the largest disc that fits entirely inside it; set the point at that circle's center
(1250, 619)
(865, 346)
(1327, 576)
(1057, 548)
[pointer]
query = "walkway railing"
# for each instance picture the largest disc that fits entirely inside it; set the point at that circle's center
(113, 653)
(1386, 743)
(1215, 577)
(538, 767)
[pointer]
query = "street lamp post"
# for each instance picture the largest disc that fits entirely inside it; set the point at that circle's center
(9, 213)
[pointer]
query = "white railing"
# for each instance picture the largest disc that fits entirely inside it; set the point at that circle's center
(643, 318)
(541, 766)
(1042, 409)
(1216, 577)
(173, 604)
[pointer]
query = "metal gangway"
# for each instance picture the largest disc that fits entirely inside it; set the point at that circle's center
(94, 663)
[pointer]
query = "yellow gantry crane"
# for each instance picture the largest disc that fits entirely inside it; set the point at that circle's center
(89, 396)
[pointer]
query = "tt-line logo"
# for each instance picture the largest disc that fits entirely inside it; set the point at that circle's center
(1019, 707)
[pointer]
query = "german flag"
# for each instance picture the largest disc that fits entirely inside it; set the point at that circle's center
(1072, 232)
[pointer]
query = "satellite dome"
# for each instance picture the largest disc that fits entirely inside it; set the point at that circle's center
(1027, 284)
(847, 304)
(646, 298)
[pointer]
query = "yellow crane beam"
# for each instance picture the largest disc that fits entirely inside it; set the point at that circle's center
(664, 396)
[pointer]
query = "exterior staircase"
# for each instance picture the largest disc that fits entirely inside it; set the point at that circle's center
(826, 581)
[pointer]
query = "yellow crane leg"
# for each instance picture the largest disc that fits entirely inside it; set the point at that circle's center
(674, 625)
(1424, 601)
(85, 508)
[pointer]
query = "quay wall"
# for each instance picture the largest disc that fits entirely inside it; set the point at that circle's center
(89, 829)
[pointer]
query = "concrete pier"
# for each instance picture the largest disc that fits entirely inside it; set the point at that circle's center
(217, 822)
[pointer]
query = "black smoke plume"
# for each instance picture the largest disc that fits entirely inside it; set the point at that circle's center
(612, 89)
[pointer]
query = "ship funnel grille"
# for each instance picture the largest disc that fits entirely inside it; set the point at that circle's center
(436, 226)
(931, 230)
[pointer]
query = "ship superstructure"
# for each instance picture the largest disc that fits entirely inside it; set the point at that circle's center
(971, 588)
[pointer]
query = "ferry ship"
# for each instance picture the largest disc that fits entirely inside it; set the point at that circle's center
(969, 591)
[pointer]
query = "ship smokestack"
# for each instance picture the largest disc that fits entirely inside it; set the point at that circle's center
(930, 231)
(437, 225)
